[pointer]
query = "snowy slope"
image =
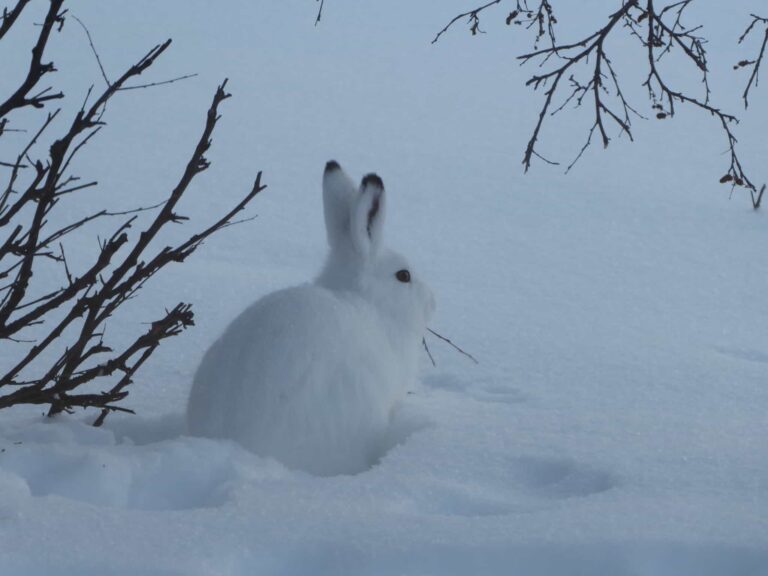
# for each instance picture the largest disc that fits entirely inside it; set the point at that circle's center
(616, 422)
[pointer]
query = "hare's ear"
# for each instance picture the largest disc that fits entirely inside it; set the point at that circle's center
(338, 196)
(368, 216)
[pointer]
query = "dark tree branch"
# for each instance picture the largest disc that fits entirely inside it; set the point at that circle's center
(660, 92)
(592, 44)
(659, 32)
(74, 315)
(542, 18)
(52, 174)
(83, 284)
(37, 69)
(664, 32)
(757, 197)
(7, 213)
(171, 324)
(755, 64)
(473, 18)
(8, 18)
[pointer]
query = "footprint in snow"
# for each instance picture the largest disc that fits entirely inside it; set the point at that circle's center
(74, 461)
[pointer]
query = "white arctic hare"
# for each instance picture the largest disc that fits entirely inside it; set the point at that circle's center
(310, 375)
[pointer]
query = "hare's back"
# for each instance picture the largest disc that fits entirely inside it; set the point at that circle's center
(294, 364)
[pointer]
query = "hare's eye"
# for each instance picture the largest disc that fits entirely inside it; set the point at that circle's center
(403, 276)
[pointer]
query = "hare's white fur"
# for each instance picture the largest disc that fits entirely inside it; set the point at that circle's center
(310, 375)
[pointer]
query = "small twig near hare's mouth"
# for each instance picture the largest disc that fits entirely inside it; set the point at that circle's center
(448, 341)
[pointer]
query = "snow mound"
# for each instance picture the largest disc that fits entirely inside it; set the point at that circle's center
(69, 459)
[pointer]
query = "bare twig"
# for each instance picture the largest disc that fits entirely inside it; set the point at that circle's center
(8, 212)
(161, 83)
(454, 346)
(542, 19)
(431, 359)
(757, 197)
(93, 49)
(473, 18)
(573, 54)
(13, 165)
(319, 12)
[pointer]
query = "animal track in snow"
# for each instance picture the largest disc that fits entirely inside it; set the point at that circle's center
(743, 354)
(498, 393)
(519, 485)
(467, 502)
(483, 390)
(560, 478)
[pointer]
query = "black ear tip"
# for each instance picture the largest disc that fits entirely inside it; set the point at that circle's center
(373, 180)
(332, 165)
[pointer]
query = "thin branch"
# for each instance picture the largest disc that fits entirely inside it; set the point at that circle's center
(93, 49)
(13, 165)
(161, 83)
(172, 324)
(757, 198)
(85, 281)
(175, 321)
(77, 148)
(447, 341)
(543, 18)
(426, 347)
(661, 93)
(5, 217)
(592, 44)
(472, 16)
(755, 64)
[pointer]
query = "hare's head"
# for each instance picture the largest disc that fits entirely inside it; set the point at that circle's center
(357, 262)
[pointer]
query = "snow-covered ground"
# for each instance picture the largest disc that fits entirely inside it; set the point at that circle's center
(617, 421)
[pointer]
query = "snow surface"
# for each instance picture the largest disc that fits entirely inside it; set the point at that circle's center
(616, 422)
